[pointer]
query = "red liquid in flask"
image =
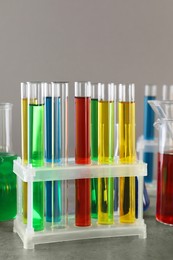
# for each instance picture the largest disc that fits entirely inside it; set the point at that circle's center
(82, 156)
(164, 207)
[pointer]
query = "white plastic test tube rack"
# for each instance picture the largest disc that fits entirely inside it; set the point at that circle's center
(71, 171)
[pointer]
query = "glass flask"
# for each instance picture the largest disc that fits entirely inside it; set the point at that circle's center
(164, 124)
(8, 208)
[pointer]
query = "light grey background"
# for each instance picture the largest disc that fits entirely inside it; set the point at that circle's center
(100, 40)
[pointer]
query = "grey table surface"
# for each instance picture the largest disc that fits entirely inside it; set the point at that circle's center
(158, 245)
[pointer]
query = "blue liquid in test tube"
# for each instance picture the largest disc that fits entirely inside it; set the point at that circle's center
(148, 157)
(146, 200)
(53, 155)
(48, 151)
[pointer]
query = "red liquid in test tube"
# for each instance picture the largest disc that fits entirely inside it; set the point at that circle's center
(82, 152)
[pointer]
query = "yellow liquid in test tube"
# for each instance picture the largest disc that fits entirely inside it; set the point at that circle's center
(24, 116)
(105, 156)
(127, 154)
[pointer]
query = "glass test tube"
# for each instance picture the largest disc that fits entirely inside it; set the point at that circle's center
(167, 92)
(116, 149)
(56, 115)
(167, 95)
(24, 136)
(150, 94)
(127, 152)
(94, 147)
(106, 151)
(82, 151)
(36, 147)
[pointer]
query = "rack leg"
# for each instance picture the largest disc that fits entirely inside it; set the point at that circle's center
(143, 235)
(14, 230)
(28, 244)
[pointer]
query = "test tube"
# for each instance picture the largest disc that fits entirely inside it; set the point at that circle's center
(105, 152)
(127, 152)
(148, 157)
(94, 147)
(24, 136)
(82, 151)
(167, 95)
(36, 147)
(116, 150)
(167, 92)
(56, 115)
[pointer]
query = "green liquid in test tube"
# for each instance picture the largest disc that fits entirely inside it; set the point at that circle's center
(94, 148)
(36, 150)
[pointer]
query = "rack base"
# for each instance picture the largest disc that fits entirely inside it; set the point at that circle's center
(51, 235)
